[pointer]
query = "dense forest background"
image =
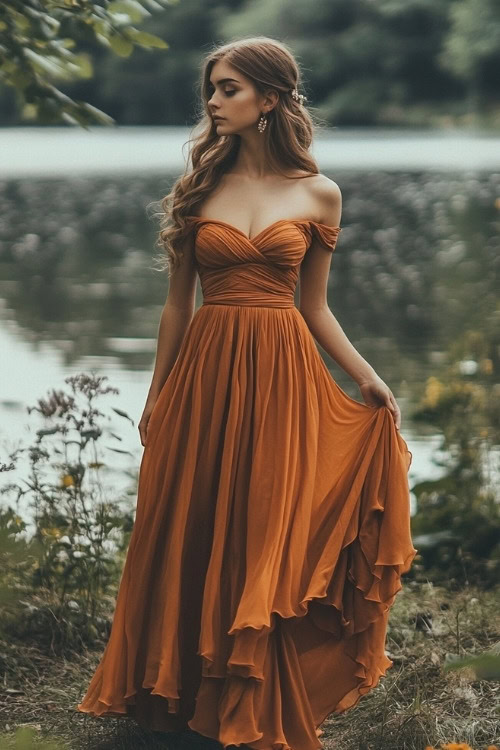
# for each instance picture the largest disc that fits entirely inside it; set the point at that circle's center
(431, 63)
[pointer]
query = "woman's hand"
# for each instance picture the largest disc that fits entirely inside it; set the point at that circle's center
(143, 424)
(376, 393)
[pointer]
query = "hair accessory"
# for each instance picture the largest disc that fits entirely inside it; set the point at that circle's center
(298, 97)
(262, 123)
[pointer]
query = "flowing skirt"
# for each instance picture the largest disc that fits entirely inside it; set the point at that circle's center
(272, 530)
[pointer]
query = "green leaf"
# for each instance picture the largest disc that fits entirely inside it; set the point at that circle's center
(84, 64)
(101, 27)
(46, 64)
(145, 39)
(120, 45)
(122, 414)
(52, 23)
(67, 43)
(22, 23)
(133, 9)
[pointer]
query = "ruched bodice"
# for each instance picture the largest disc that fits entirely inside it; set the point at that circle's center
(264, 270)
(272, 525)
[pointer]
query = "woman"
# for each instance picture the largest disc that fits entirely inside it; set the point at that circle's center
(272, 524)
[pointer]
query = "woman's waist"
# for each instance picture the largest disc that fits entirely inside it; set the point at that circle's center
(255, 300)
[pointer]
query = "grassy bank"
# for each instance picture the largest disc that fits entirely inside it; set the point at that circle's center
(416, 705)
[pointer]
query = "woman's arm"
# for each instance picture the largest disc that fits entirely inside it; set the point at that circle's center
(328, 333)
(325, 328)
(175, 318)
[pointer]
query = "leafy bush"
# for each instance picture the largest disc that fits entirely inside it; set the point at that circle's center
(457, 525)
(58, 584)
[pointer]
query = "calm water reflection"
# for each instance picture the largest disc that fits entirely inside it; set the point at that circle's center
(417, 262)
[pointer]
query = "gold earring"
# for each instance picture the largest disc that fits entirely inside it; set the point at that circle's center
(262, 123)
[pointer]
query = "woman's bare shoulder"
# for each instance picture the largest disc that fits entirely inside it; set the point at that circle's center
(321, 185)
(326, 194)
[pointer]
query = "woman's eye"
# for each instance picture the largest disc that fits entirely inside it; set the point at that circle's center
(227, 92)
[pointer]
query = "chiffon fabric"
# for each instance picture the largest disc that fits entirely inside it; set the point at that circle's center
(272, 525)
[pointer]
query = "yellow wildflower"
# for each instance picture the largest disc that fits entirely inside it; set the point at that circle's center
(433, 390)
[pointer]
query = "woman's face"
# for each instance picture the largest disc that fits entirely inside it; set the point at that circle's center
(234, 98)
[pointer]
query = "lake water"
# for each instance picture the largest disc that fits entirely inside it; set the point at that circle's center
(416, 263)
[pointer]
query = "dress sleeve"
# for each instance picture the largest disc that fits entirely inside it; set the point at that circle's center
(324, 234)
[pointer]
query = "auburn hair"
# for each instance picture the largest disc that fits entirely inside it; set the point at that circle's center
(269, 64)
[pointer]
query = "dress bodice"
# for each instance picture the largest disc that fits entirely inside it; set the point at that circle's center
(262, 270)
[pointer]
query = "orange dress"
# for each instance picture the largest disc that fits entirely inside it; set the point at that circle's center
(272, 524)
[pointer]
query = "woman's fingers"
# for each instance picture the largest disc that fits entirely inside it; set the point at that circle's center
(396, 411)
(392, 405)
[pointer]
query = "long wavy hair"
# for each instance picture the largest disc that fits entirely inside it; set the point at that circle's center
(269, 64)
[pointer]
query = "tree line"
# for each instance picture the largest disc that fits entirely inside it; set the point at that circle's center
(389, 62)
